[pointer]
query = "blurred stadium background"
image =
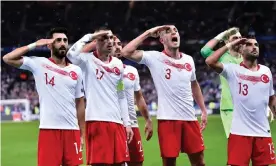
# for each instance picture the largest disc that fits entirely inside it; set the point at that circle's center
(25, 22)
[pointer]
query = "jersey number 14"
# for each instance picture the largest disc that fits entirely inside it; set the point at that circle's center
(50, 81)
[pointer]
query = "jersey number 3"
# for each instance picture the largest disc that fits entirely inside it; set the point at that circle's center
(168, 74)
(49, 81)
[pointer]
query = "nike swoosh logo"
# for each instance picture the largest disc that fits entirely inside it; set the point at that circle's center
(80, 158)
(272, 158)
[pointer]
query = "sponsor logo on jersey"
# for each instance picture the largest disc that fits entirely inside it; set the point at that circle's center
(114, 70)
(255, 79)
(185, 66)
(71, 74)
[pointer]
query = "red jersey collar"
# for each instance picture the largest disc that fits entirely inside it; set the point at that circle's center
(243, 65)
(52, 60)
(97, 56)
(180, 54)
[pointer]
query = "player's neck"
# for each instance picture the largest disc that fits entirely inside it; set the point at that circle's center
(235, 54)
(173, 53)
(251, 65)
(103, 57)
(59, 61)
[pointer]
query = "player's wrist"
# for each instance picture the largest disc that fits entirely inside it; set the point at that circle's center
(31, 46)
(88, 37)
(146, 33)
(204, 112)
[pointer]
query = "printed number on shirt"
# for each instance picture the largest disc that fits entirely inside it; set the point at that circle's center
(50, 81)
(168, 74)
(243, 89)
(99, 74)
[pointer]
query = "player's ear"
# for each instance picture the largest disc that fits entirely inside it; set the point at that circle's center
(161, 40)
(49, 46)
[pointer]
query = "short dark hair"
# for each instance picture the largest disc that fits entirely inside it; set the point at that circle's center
(250, 37)
(57, 30)
(102, 28)
(117, 36)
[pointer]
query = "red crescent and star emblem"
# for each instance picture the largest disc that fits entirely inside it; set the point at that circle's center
(116, 71)
(73, 75)
(131, 76)
(264, 78)
(187, 66)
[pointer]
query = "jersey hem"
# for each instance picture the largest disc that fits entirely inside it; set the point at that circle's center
(58, 128)
(250, 135)
(104, 120)
(176, 119)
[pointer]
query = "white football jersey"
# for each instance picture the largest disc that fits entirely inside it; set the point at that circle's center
(172, 79)
(101, 81)
(250, 92)
(132, 84)
(57, 87)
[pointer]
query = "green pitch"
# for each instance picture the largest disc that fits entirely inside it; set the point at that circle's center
(19, 144)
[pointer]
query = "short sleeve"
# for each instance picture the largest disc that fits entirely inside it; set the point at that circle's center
(148, 58)
(29, 63)
(79, 88)
(193, 77)
(228, 70)
(137, 86)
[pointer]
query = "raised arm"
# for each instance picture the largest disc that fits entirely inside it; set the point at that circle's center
(73, 53)
(89, 47)
(15, 58)
(130, 50)
(213, 60)
(207, 49)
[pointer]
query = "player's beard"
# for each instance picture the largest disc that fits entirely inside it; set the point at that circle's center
(237, 48)
(251, 57)
(60, 52)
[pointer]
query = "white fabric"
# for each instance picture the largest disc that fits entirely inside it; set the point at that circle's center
(57, 88)
(100, 83)
(132, 84)
(172, 79)
(250, 92)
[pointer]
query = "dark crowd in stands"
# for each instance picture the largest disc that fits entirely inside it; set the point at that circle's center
(25, 22)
